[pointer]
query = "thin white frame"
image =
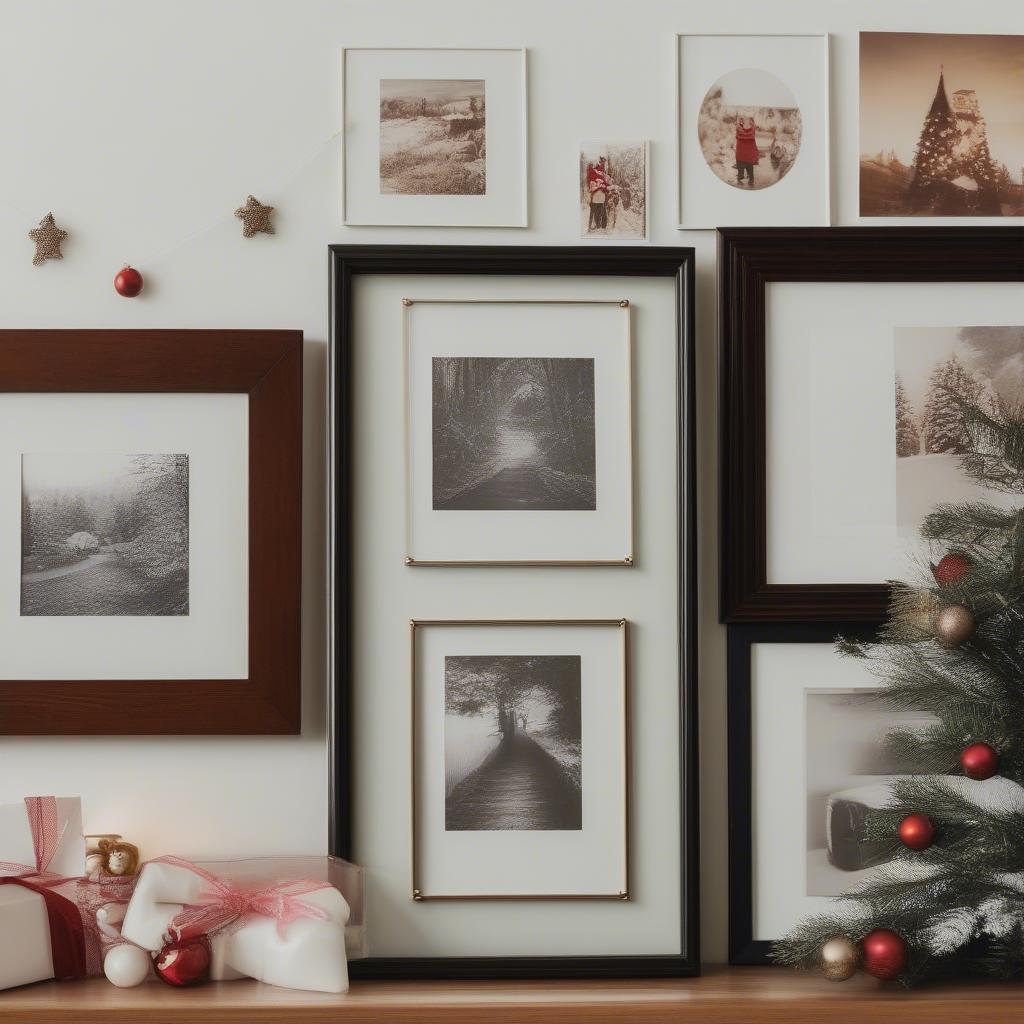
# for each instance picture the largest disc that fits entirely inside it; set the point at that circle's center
(646, 238)
(825, 38)
(524, 200)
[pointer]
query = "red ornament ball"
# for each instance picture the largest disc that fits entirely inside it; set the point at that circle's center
(885, 954)
(917, 831)
(184, 963)
(128, 282)
(979, 761)
(952, 568)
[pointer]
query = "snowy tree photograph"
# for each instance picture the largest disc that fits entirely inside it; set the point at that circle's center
(512, 743)
(941, 125)
(935, 368)
(613, 190)
(104, 534)
(433, 137)
(513, 434)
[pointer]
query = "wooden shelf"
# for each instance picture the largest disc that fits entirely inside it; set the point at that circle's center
(742, 995)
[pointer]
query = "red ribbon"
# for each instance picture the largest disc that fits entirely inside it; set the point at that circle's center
(224, 902)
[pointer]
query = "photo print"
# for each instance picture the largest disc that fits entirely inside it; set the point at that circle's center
(104, 534)
(750, 128)
(512, 743)
(513, 433)
(941, 125)
(433, 137)
(613, 190)
(979, 364)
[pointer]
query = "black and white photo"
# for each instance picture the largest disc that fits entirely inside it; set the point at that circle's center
(104, 534)
(513, 433)
(512, 743)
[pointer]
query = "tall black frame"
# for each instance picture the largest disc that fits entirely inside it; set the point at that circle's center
(347, 262)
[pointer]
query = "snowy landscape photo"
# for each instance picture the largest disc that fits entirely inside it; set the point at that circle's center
(980, 364)
(513, 433)
(512, 743)
(941, 125)
(613, 190)
(105, 534)
(750, 128)
(433, 135)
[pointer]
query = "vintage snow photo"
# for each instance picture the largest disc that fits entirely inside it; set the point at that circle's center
(512, 743)
(749, 127)
(941, 125)
(613, 190)
(104, 534)
(433, 135)
(513, 433)
(934, 367)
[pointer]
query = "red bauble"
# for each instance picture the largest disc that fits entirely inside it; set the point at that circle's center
(184, 963)
(128, 282)
(979, 761)
(917, 831)
(885, 954)
(952, 568)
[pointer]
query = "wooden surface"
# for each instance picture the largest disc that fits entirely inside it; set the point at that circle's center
(746, 995)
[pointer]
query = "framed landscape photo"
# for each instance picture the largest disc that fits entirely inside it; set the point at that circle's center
(835, 351)
(521, 777)
(435, 137)
(519, 444)
(149, 574)
(752, 130)
(522, 794)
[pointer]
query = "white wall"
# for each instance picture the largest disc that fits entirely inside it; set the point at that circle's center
(143, 126)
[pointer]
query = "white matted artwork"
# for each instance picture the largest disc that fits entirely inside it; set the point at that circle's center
(519, 432)
(752, 122)
(519, 761)
(614, 182)
(435, 137)
(843, 506)
(126, 549)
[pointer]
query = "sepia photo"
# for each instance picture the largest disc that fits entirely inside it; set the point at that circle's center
(613, 190)
(512, 743)
(750, 128)
(935, 366)
(941, 125)
(513, 433)
(104, 534)
(433, 137)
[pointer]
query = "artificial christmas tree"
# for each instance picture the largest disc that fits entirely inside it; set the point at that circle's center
(946, 893)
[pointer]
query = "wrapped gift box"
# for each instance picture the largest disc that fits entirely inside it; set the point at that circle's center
(25, 954)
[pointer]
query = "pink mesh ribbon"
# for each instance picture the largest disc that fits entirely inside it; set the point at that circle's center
(224, 902)
(44, 824)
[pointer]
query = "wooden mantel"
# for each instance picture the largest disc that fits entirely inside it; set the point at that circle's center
(740, 995)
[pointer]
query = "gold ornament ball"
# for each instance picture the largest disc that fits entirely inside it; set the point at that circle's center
(953, 625)
(840, 958)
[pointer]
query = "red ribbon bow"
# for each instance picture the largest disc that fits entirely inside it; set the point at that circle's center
(225, 902)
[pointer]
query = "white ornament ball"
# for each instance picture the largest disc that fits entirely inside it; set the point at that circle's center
(127, 966)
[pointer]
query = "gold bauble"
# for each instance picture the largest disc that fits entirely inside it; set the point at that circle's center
(840, 958)
(953, 625)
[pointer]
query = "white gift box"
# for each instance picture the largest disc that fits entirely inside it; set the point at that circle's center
(25, 954)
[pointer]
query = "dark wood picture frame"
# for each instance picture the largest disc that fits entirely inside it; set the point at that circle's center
(743, 947)
(266, 366)
(346, 264)
(749, 259)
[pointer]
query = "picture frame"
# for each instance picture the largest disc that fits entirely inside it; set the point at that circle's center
(435, 136)
(781, 83)
(562, 798)
(106, 389)
(769, 846)
(367, 286)
(798, 547)
(608, 170)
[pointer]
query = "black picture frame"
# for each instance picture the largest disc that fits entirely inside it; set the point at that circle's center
(744, 949)
(748, 260)
(347, 262)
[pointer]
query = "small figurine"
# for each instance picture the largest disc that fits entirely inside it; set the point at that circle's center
(120, 858)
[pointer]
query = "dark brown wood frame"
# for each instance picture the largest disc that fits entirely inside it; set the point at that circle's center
(267, 366)
(748, 260)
